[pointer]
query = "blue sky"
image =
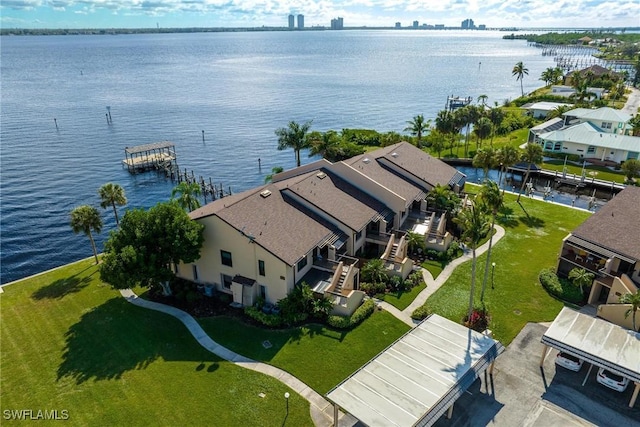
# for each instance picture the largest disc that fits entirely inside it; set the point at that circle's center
(256, 13)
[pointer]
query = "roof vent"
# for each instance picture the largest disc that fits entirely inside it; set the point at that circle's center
(366, 160)
(394, 154)
(321, 175)
(265, 193)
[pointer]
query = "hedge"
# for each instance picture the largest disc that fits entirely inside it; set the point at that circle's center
(561, 288)
(421, 313)
(272, 320)
(361, 313)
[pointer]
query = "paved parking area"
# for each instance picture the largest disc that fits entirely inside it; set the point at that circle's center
(519, 394)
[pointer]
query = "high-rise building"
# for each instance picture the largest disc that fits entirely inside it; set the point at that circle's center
(291, 22)
(468, 24)
(300, 21)
(337, 24)
(415, 24)
(398, 25)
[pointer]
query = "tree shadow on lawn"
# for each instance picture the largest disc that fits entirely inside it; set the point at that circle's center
(117, 337)
(63, 287)
(505, 218)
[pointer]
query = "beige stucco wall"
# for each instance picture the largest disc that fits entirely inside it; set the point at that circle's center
(218, 236)
(347, 305)
(614, 313)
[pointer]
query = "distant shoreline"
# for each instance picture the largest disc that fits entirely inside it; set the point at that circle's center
(160, 30)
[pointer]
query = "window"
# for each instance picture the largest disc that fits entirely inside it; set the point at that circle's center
(606, 125)
(263, 292)
(557, 146)
(358, 235)
(195, 273)
(226, 258)
(261, 267)
(591, 149)
(302, 263)
(226, 281)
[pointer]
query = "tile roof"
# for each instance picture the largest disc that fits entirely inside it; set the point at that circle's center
(273, 222)
(616, 226)
(338, 198)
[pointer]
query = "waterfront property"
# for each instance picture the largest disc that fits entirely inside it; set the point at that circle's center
(540, 110)
(601, 136)
(313, 222)
(606, 244)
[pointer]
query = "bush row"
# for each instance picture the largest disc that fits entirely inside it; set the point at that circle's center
(361, 313)
(558, 287)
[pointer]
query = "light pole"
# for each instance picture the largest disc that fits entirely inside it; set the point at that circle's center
(286, 397)
(493, 267)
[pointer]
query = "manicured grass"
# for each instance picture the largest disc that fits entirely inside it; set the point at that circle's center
(435, 267)
(593, 171)
(531, 243)
(319, 356)
(71, 343)
(402, 300)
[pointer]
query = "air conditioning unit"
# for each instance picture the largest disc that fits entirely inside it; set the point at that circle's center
(265, 193)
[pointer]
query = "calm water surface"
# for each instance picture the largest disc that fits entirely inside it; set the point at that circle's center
(237, 87)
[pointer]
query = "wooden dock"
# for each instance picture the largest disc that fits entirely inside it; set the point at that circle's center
(454, 102)
(155, 156)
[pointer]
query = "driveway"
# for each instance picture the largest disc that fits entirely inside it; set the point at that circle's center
(633, 102)
(520, 395)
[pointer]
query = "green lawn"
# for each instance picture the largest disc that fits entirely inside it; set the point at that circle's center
(402, 300)
(435, 267)
(319, 356)
(532, 242)
(71, 343)
(597, 172)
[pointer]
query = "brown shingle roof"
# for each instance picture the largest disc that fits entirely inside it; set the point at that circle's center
(616, 226)
(338, 198)
(271, 221)
(421, 165)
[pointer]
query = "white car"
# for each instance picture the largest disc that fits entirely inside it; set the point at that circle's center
(611, 380)
(569, 361)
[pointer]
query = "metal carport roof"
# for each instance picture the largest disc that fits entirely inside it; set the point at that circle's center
(418, 377)
(597, 341)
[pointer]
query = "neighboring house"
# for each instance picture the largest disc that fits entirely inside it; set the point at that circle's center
(568, 91)
(595, 72)
(600, 136)
(608, 245)
(540, 110)
(311, 223)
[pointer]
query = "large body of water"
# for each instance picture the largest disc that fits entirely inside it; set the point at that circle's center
(237, 87)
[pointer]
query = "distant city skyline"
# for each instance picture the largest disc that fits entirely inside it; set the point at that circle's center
(357, 13)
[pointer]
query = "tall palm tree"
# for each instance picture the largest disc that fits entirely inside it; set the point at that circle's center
(417, 127)
(485, 159)
(274, 170)
(557, 74)
(188, 195)
(496, 115)
(482, 99)
(506, 157)
(548, 76)
(86, 218)
(443, 198)
(475, 227)
(634, 300)
(294, 136)
(519, 71)
(445, 124)
(112, 195)
(483, 130)
(326, 144)
(492, 199)
(532, 155)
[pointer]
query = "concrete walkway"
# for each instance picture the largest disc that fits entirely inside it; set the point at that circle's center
(434, 285)
(633, 102)
(321, 410)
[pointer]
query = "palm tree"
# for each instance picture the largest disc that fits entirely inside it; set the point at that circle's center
(414, 241)
(557, 74)
(635, 124)
(482, 129)
(112, 195)
(531, 155)
(485, 159)
(581, 278)
(520, 71)
(496, 115)
(445, 124)
(506, 157)
(492, 200)
(374, 271)
(86, 218)
(417, 127)
(558, 111)
(326, 144)
(294, 136)
(475, 227)
(548, 76)
(443, 198)
(437, 140)
(189, 193)
(482, 99)
(274, 170)
(634, 300)
(631, 169)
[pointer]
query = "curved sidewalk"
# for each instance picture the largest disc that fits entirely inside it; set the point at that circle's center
(434, 285)
(321, 410)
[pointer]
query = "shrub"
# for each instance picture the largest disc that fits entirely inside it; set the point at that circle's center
(271, 320)
(560, 288)
(395, 282)
(361, 313)
(372, 289)
(421, 312)
(193, 296)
